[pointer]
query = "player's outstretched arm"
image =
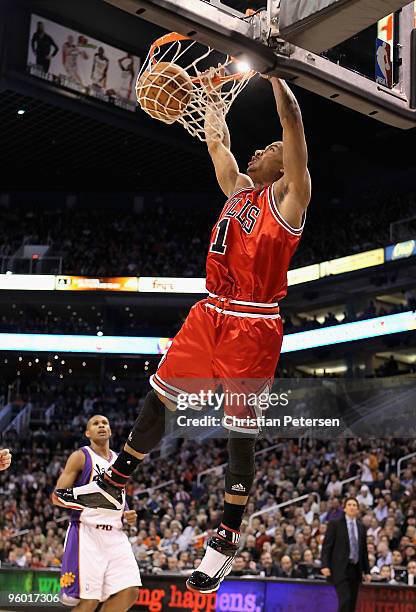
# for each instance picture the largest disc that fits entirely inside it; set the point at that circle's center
(72, 469)
(296, 187)
(217, 135)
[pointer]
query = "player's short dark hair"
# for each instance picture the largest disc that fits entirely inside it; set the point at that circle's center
(351, 498)
(94, 416)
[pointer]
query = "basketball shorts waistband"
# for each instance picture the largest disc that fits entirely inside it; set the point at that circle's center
(239, 308)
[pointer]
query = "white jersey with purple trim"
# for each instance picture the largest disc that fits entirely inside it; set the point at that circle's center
(94, 466)
(98, 560)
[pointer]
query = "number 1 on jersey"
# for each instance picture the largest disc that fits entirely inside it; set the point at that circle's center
(219, 245)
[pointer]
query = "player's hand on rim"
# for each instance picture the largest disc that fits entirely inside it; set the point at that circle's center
(208, 79)
(270, 77)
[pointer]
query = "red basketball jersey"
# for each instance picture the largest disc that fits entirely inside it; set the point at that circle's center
(251, 248)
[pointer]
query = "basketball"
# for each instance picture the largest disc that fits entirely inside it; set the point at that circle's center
(164, 91)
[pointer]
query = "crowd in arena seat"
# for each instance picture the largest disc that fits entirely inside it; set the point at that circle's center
(49, 319)
(162, 239)
(175, 521)
(298, 323)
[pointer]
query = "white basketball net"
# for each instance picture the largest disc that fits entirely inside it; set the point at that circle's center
(211, 96)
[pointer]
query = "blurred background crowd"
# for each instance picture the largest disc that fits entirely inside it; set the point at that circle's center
(177, 510)
(166, 238)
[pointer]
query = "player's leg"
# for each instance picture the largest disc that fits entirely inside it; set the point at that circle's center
(87, 605)
(122, 601)
(122, 576)
(83, 565)
(246, 358)
(72, 573)
(223, 546)
(188, 358)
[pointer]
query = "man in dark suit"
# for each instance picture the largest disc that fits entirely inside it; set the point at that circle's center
(344, 555)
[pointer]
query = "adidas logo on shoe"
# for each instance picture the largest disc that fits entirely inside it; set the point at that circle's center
(238, 487)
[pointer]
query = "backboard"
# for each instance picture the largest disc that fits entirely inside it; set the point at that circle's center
(287, 39)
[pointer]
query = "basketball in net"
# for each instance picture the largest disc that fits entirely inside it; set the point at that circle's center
(164, 91)
(184, 83)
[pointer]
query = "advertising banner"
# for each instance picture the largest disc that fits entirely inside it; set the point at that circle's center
(303, 275)
(401, 250)
(163, 593)
(350, 263)
(85, 283)
(27, 282)
(384, 65)
(350, 332)
(154, 284)
(70, 59)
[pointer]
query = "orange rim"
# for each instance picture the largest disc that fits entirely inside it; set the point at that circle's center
(174, 36)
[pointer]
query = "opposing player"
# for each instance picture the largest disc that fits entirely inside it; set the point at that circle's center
(98, 562)
(236, 333)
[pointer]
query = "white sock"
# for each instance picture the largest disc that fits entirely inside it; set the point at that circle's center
(215, 564)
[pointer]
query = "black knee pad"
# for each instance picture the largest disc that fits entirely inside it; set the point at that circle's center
(149, 427)
(239, 475)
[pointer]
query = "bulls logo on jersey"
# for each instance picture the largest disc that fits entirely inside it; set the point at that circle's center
(244, 211)
(241, 209)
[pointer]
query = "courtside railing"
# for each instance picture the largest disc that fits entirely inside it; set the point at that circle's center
(402, 460)
(351, 479)
(22, 532)
(21, 421)
(219, 468)
(276, 507)
(155, 488)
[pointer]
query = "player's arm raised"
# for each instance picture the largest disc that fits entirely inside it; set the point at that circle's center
(73, 467)
(217, 135)
(293, 191)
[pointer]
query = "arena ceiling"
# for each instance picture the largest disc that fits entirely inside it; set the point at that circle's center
(51, 147)
(62, 142)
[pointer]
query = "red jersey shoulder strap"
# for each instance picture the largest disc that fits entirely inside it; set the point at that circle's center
(295, 231)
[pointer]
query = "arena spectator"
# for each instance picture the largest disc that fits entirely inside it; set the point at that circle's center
(411, 570)
(155, 241)
(385, 573)
(335, 511)
(381, 510)
(287, 569)
(364, 497)
(175, 523)
(384, 555)
(334, 486)
(268, 568)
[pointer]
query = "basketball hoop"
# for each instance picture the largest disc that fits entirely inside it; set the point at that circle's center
(177, 84)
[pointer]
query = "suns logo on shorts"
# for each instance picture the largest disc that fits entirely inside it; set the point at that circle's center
(67, 579)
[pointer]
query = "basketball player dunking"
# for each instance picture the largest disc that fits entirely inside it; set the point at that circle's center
(236, 332)
(98, 562)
